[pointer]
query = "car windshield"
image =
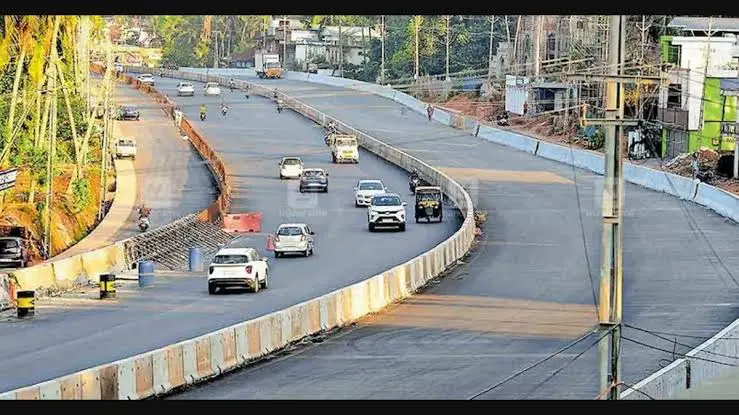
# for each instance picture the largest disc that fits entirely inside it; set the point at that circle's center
(211, 85)
(386, 201)
(313, 174)
(8, 246)
(289, 231)
(129, 108)
(230, 259)
(272, 65)
(146, 75)
(185, 85)
(429, 196)
(345, 142)
(291, 162)
(370, 186)
(126, 143)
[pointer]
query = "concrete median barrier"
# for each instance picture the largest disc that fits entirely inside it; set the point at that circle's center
(718, 200)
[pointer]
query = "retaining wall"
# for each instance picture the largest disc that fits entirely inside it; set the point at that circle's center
(194, 360)
(681, 374)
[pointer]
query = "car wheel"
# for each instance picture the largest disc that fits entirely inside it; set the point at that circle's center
(265, 284)
(371, 227)
(282, 177)
(325, 190)
(356, 204)
(418, 220)
(256, 284)
(277, 254)
(212, 289)
(402, 227)
(302, 190)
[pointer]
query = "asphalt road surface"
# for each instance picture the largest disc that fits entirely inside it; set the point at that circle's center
(525, 292)
(171, 178)
(251, 139)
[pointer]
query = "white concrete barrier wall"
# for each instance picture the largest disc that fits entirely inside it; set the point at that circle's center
(674, 378)
(190, 361)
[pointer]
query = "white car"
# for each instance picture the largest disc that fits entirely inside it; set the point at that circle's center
(238, 267)
(146, 79)
(125, 147)
(185, 89)
(291, 167)
(118, 67)
(386, 210)
(365, 190)
(294, 238)
(212, 88)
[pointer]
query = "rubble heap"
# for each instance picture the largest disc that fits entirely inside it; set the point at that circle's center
(681, 164)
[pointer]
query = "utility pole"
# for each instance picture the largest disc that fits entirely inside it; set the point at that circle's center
(108, 84)
(611, 259)
(490, 48)
(341, 50)
(448, 18)
(643, 29)
(285, 27)
(215, 50)
(705, 69)
(382, 50)
(417, 28)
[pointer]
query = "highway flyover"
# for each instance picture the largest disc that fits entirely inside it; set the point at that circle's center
(525, 292)
(251, 140)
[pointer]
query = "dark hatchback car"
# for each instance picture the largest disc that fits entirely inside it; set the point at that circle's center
(128, 112)
(13, 252)
(313, 179)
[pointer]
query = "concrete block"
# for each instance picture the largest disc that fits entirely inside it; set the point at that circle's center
(507, 138)
(90, 386)
(718, 200)
(160, 367)
(661, 384)
(144, 370)
(189, 362)
(127, 379)
(242, 342)
(555, 152)
(50, 390)
(203, 358)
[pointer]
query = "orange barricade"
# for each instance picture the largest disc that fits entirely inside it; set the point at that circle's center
(243, 222)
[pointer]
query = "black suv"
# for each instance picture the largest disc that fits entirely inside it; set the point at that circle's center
(313, 179)
(13, 252)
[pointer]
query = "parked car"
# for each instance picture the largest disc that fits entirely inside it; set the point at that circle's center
(238, 267)
(128, 112)
(294, 238)
(212, 88)
(13, 252)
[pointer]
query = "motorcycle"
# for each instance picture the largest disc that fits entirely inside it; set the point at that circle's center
(279, 107)
(231, 86)
(224, 111)
(144, 223)
(202, 116)
(502, 120)
(415, 181)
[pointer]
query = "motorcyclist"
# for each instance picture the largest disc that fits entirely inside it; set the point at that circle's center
(274, 93)
(144, 211)
(231, 84)
(224, 108)
(331, 127)
(280, 105)
(203, 111)
(413, 178)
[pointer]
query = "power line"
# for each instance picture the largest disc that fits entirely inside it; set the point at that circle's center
(649, 346)
(532, 366)
(689, 336)
(566, 365)
(679, 343)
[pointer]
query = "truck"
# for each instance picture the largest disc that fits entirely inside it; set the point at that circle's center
(344, 148)
(268, 65)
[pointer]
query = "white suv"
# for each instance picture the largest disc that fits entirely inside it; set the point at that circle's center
(291, 167)
(294, 238)
(365, 190)
(386, 210)
(185, 89)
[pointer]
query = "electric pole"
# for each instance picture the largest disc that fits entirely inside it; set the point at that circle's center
(215, 50)
(611, 259)
(285, 27)
(382, 49)
(341, 50)
(448, 18)
(417, 28)
(107, 84)
(490, 48)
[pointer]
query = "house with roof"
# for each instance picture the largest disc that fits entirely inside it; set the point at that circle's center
(699, 63)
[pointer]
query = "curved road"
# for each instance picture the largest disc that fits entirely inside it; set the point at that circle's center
(251, 140)
(523, 294)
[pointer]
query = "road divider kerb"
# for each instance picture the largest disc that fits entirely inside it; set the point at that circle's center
(191, 361)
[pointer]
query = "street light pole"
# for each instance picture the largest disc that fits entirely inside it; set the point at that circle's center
(382, 50)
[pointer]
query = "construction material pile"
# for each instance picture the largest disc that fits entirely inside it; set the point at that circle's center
(682, 163)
